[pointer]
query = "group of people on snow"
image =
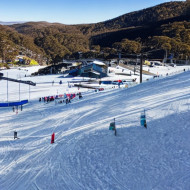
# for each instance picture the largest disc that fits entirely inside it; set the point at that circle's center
(60, 98)
(47, 99)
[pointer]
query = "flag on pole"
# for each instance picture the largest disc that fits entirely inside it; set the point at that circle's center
(52, 138)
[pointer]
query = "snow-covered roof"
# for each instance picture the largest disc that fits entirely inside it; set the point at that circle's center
(118, 77)
(95, 72)
(99, 63)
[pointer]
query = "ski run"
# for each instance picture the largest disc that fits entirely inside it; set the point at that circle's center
(86, 155)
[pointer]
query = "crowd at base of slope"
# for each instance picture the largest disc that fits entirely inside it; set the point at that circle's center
(60, 98)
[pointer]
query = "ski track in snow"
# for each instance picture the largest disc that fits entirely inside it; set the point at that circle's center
(86, 155)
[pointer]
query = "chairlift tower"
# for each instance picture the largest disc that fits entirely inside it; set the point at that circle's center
(18, 81)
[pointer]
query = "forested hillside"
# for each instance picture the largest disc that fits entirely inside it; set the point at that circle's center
(11, 43)
(165, 26)
(56, 39)
(137, 18)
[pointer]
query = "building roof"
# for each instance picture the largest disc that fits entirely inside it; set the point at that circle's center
(99, 63)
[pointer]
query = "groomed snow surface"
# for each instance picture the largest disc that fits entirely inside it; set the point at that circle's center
(86, 155)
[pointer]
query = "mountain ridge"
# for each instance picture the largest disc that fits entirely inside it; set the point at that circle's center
(59, 40)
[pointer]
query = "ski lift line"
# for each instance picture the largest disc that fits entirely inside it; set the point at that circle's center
(19, 81)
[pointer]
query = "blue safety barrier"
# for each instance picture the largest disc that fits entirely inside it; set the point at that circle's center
(8, 104)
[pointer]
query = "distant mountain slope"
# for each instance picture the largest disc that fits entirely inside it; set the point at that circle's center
(138, 18)
(144, 32)
(59, 40)
(11, 23)
(35, 29)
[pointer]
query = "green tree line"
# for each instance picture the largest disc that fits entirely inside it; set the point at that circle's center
(130, 33)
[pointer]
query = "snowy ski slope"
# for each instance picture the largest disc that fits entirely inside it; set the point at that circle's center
(86, 155)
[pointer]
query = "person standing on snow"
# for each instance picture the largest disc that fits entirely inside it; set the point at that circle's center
(80, 95)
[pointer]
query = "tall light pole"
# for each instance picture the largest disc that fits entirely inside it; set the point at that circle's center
(18, 76)
(29, 92)
(186, 60)
(7, 89)
(19, 91)
(119, 57)
(141, 67)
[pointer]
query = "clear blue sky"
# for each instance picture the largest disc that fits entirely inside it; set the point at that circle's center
(70, 11)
